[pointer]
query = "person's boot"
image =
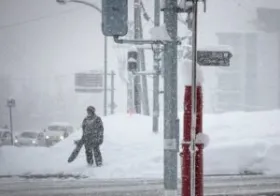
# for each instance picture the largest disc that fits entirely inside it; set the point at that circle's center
(90, 163)
(99, 164)
(97, 156)
(89, 160)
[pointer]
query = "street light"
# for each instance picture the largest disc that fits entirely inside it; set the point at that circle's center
(63, 2)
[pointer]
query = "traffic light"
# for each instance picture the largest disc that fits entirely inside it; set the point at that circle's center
(132, 59)
(114, 17)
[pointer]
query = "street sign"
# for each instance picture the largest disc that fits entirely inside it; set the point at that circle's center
(114, 17)
(92, 79)
(11, 103)
(213, 58)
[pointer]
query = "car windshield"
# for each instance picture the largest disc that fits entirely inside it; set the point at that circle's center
(29, 135)
(56, 128)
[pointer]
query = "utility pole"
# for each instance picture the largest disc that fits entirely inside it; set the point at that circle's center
(137, 85)
(130, 79)
(157, 70)
(145, 97)
(141, 94)
(170, 100)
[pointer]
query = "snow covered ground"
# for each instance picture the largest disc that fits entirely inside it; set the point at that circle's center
(238, 142)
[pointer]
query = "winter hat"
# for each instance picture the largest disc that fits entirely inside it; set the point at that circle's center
(91, 109)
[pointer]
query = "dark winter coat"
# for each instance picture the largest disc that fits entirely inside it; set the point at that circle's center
(93, 130)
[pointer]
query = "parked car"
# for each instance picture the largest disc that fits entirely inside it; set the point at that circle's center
(5, 137)
(56, 132)
(29, 138)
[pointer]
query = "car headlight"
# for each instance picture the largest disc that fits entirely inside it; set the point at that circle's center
(47, 137)
(61, 137)
(34, 142)
(16, 141)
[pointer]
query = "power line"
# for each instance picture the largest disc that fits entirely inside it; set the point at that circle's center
(8, 26)
(145, 13)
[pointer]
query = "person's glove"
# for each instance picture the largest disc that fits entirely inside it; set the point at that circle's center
(76, 142)
(100, 141)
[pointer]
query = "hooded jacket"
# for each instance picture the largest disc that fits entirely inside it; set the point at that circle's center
(93, 129)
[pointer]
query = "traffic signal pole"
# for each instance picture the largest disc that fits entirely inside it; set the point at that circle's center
(170, 100)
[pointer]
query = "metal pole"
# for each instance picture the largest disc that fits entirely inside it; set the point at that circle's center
(199, 152)
(112, 92)
(130, 94)
(137, 85)
(157, 70)
(11, 125)
(170, 100)
(194, 97)
(186, 154)
(105, 75)
(145, 97)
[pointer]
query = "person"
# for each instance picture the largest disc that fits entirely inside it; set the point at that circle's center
(93, 131)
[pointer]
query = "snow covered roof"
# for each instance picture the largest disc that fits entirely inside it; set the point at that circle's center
(159, 33)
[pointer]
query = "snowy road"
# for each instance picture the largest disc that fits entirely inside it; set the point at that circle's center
(135, 187)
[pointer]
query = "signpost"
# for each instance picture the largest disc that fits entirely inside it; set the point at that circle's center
(93, 82)
(213, 58)
(11, 103)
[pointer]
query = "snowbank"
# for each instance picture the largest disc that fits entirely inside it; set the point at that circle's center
(238, 142)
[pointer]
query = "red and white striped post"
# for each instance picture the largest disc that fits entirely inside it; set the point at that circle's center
(186, 156)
